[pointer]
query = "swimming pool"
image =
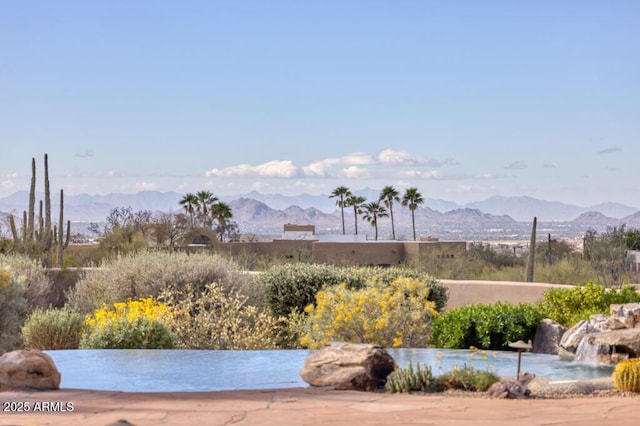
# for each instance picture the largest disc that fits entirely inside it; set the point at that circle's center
(208, 370)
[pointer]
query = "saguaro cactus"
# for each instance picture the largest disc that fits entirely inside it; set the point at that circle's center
(39, 241)
(60, 244)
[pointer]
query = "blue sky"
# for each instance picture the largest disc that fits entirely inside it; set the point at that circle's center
(462, 99)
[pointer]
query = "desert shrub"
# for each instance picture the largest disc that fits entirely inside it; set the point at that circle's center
(216, 319)
(289, 330)
(13, 310)
(122, 333)
(147, 274)
(570, 305)
(467, 378)
(396, 314)
(485, 326)
(294, 286)
(53, 329)
(134, 324)
(570, 271)
(129, 310)
(404, 380)
(31, 275)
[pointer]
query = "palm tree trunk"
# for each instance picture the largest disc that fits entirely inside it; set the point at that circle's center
(393, 227)
(413, 223)
(375, 225)
(355, 216)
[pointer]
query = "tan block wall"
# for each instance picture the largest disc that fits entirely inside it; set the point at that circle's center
(295, 248)
(415, 250)
(462, 293)
(358, 253)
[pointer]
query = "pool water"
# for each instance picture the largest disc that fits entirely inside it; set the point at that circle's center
(207, 370)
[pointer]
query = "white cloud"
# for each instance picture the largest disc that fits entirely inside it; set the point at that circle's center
(390, 157)
(325, 167)
(271, 169)
(387, 163)
(354, 172)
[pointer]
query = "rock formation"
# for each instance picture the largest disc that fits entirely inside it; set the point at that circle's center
(348, 366)
(512, 389)
(605, 339)
(23, 369)
(548, 336)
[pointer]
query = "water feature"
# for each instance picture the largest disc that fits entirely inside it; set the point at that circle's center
(591, 353)
(206, 370)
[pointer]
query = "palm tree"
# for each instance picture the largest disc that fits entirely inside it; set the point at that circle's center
(413, 199)
(221, 212)
(204, 201)
(355, 201)
(373, 211)
(388, 195)
(189, 202)
(342, 192)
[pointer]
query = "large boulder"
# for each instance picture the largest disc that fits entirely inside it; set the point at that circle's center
(573, 336)
(627, 313)
(348, 366)
(547, 337)
(24, 369)
(619, 344)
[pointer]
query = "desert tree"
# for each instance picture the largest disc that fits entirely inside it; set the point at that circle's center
(608, 253)
(372, 212)
(341, 193)
(355, 201)
(388, 195)
(412, 199)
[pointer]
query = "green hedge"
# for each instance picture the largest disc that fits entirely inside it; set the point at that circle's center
(570, 305)
(486, 326)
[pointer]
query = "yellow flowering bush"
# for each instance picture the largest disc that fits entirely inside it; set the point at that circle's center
(397, 314)
(129, 310)
(134, 324)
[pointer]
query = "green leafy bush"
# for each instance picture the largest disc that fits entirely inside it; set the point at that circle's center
(218, 320)
(13, 308)
(147, 274)
(485, 326)
(294, 286)
(570, 305)
(122, 333)
(404, 380)
(53, 329)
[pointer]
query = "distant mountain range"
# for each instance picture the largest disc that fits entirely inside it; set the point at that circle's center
(256, 212)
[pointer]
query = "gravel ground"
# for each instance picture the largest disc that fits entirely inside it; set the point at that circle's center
(543, 388)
